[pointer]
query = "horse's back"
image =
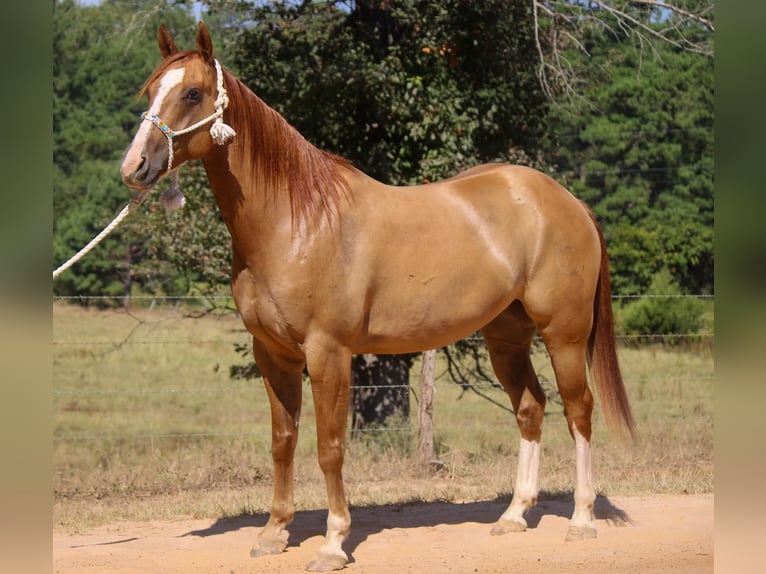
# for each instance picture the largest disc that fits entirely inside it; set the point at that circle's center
(534, 212)
(521, 184)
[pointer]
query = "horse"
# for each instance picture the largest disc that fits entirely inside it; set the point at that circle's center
(328, 262)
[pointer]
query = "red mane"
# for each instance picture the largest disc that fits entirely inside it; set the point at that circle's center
(275, 151)
(283, 157)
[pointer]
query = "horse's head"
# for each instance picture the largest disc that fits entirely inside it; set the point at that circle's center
(186, 94)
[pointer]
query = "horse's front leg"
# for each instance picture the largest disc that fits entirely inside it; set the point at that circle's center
(330, 371)
(284, 391)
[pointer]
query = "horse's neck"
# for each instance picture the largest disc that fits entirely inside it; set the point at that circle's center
(254, 217)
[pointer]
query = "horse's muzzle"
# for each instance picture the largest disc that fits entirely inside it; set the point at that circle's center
(144, 177)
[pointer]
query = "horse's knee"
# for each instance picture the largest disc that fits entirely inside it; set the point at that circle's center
(283, 445)
(530, 421)
(578, 410)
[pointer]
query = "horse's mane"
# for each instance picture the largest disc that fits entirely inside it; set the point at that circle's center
(283, 158)
(277, 153)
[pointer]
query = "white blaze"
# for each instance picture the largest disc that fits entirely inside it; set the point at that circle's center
(168, 81)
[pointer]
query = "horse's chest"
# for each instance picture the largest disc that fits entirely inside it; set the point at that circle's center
(269, 314)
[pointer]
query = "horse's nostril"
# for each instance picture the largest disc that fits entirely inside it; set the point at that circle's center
(142, 167)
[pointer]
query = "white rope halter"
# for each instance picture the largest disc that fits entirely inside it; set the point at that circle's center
(172, 198)
(220, 131)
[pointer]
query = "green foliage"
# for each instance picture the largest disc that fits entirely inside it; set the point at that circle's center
(102, 55)
(410, 91)
(410, 94)
(641, 155)
(177, 252)
(658, 314)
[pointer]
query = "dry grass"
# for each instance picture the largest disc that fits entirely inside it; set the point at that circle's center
(149, 426)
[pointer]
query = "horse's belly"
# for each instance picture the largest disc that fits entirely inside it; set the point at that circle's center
(425, 313)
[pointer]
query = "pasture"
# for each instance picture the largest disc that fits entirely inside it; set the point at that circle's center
(148, 425)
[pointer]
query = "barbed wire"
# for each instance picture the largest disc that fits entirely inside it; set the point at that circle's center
(469, 338)
(633, 133)
(231, 297)
(142, 297)
(169, 342)
(311, 431)
(257, 388)
(153, 298)
(668, 296)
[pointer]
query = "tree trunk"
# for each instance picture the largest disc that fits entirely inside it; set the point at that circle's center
(380, 390)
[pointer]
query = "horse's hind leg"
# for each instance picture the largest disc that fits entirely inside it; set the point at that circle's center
(508, 339)
(568, 357)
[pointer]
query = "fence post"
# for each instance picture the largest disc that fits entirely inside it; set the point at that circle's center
(425, 414)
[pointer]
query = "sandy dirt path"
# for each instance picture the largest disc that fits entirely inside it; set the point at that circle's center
(665, 533)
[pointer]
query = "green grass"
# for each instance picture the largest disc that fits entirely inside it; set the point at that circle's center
(148, 425)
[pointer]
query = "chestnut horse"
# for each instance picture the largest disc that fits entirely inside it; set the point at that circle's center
(327, 262)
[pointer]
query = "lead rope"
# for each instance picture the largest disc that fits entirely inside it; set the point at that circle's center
(95, 241)
(171, 198)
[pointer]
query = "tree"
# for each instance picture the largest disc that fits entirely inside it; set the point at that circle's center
(102, 54)
(380, 390)
(564, 30)
(664, 317)
(178, 252)
(409, 92)
(641, 155)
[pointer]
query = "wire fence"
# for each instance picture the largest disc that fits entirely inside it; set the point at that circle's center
(160, 298)
(89, 386)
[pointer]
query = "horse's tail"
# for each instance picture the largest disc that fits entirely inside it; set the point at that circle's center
(602, 353)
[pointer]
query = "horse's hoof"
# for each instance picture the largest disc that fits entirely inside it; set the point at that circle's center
(503, 526)
(327, 563)
(266, 550)
(268, 546)
(580, 533)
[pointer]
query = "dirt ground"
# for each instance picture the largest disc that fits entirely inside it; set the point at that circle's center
(665, 533)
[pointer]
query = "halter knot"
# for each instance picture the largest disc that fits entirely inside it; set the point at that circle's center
(220, 131)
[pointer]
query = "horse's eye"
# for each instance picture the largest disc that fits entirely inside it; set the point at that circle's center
(193, 96)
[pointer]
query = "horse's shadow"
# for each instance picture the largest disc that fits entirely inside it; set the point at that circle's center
(369, 520)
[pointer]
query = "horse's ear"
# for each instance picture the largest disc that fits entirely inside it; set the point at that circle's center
(204, 43)
(165, 40)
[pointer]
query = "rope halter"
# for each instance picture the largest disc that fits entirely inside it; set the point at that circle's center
(172, 198)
